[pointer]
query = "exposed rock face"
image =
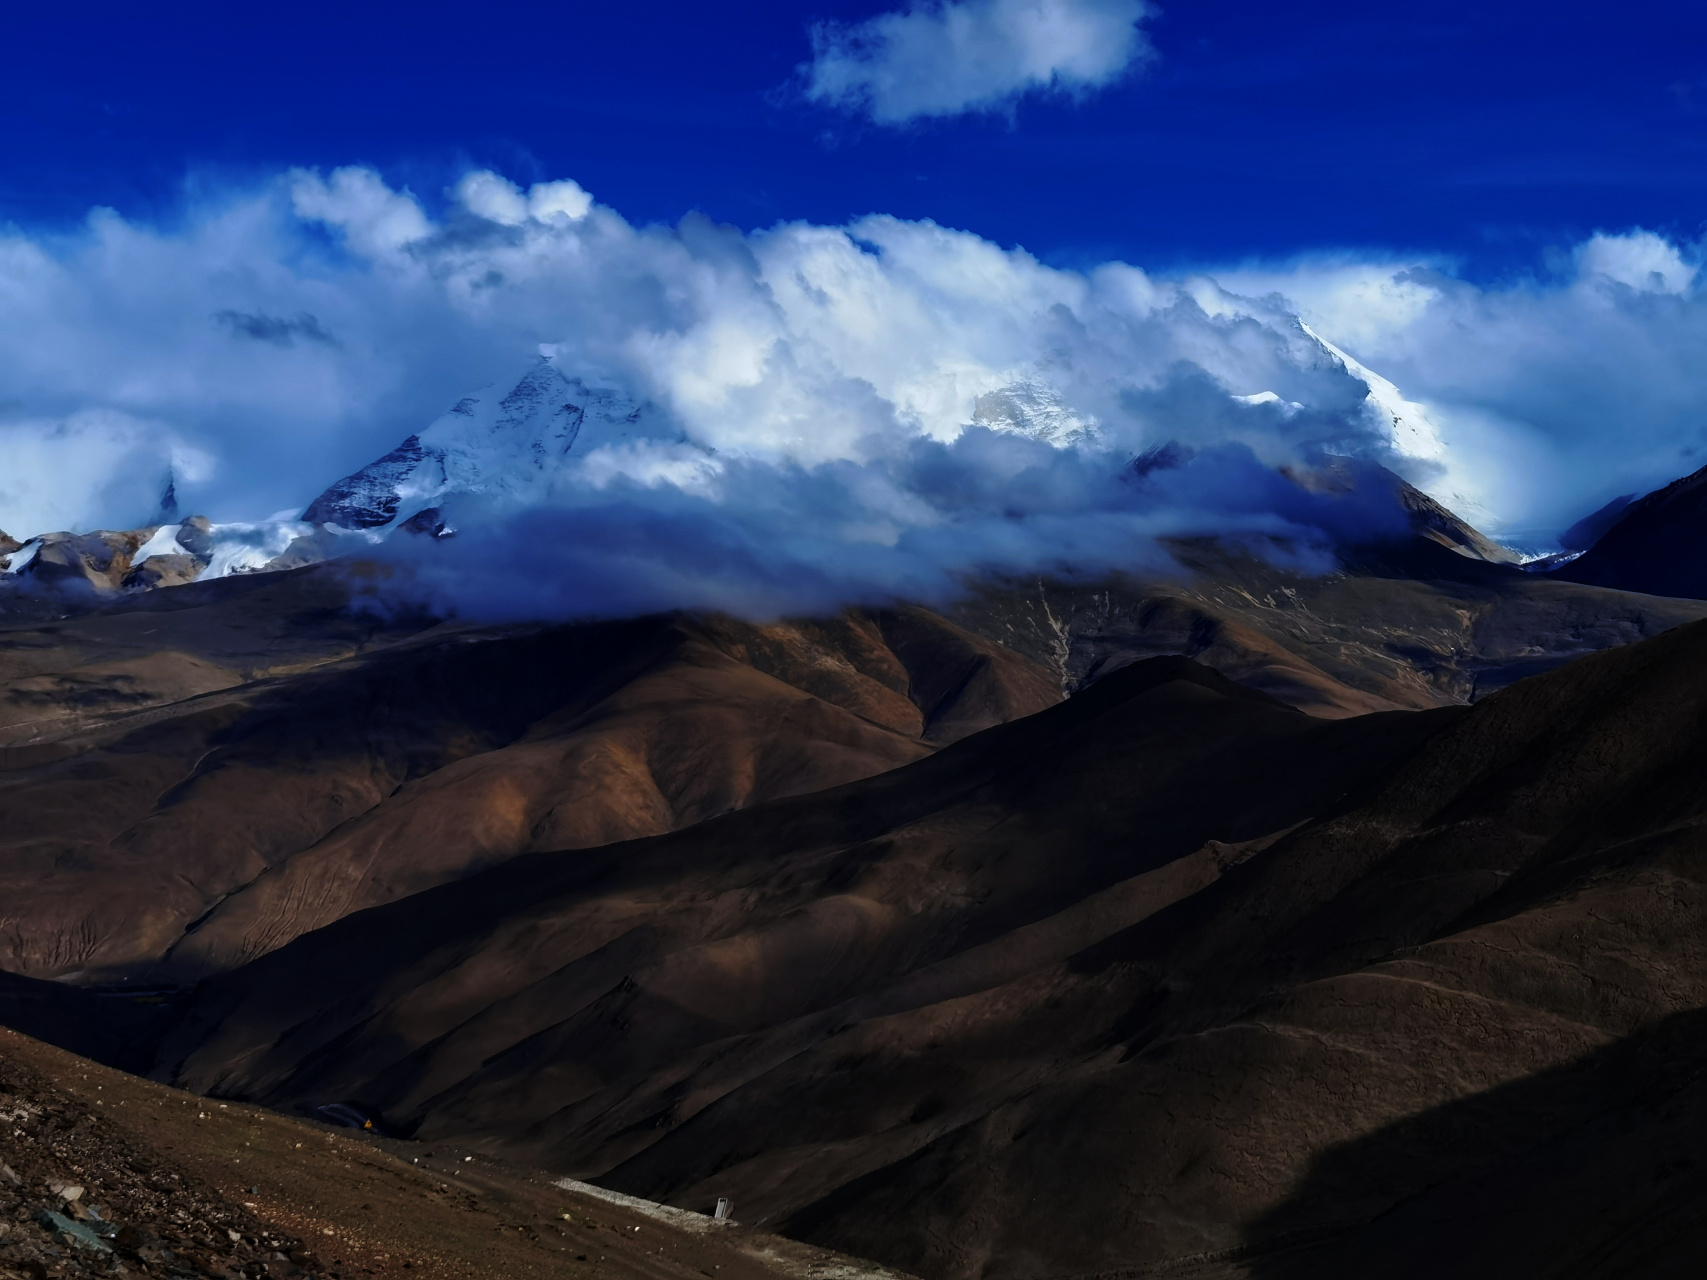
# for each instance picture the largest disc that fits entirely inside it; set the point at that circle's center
(369, 497)
(1435, 522)
(1424, 628)
(99, 560)
(1070, 998)
(68, 566)
(171, 570)
(195, 536)
(1655, 545)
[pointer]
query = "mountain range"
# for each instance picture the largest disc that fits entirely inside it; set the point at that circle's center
(1236, 919)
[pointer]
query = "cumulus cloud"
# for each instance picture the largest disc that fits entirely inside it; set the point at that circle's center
(486, 195)
(1639, 259)
(949, 58)
(1554, 393)
(831, 412)
(55, 472)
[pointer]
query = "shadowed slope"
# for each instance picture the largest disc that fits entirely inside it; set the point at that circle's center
(1051, 1003)
(1409, 625)
(754, 1006)
(1525, 893)
(1655, 545)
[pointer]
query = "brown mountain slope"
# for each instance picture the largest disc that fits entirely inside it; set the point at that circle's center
(65, 665)
(1411, 625)
(627, 1012)
(201, 830)
(254, 757)
(949, 1019)
(1332, 1061)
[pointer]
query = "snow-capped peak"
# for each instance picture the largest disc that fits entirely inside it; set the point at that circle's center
(508, 443)
(1031, 407)
(1412, 434)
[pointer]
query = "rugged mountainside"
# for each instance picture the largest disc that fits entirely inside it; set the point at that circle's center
(247, 758)
(591, 1027)
(1410, 626)
(193, 785)
(56, 571)
(1264, 952)
(1654, 545)
(1067, 998)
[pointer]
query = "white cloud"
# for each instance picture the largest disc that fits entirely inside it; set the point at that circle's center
(373, 217)
(1639, 259)
(69, 472)
(486, 195)
(1552, 396)
(814, 384)
(943, 59)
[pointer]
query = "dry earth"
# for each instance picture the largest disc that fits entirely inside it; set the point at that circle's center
(184, 1173)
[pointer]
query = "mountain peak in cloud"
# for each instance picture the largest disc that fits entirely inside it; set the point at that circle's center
(947, 59)
(509, 445)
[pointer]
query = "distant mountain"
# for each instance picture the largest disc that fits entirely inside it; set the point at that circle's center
(511, 443)
(1591, 528)
(1656, 545)
(516, 441)
(106, 562)
(1426, 518)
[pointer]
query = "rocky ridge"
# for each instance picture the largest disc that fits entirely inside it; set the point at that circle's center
(1652, 544)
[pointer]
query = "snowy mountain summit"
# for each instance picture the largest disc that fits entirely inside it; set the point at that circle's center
(1032, 407)
(503, 444)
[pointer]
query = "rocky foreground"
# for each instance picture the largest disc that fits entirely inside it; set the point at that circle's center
(103, 1174)
(80, 1194)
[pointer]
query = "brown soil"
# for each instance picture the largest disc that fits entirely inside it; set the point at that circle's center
(183, 1172)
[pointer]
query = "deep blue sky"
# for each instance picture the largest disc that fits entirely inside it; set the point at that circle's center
(1487, 131)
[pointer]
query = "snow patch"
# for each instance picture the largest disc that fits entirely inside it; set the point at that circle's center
(246, 548)
(163, 543)
(22, 556)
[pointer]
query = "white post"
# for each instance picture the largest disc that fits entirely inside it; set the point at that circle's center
(724, 1207)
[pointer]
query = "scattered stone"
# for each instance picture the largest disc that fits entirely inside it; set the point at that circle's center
(71, 1234)
(149, 1220)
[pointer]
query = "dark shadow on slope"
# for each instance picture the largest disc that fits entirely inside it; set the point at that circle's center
(113, 1025)
(1587, 1172)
